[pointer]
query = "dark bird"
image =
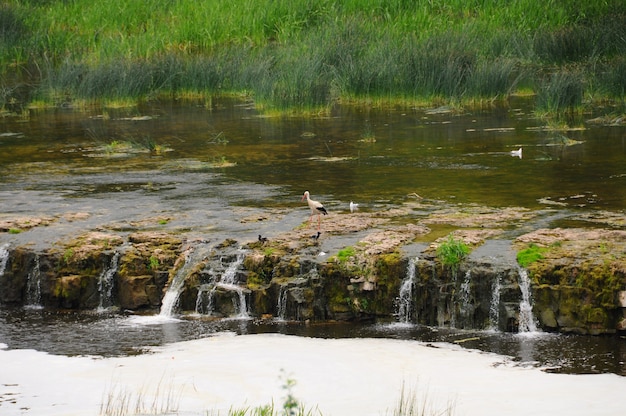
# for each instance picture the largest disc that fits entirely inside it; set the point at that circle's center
(316, 208)
(316, 236)
(262, 239)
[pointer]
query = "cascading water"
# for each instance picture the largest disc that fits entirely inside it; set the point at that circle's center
(226, 281)
(281, 308)
(465, 306)
(105, 283)
(494, 307)
(405, 297)
(170, 299)
(33, 287)
(451, 305)
(526, 319)
(205, 292)
(4, 257)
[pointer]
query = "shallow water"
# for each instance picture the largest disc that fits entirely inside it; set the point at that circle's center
(59, 163)
(75, 333)
(372, 156)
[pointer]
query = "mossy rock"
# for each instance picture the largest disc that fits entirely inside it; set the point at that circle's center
(75, 291)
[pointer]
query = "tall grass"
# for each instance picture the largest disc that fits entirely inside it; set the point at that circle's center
(561, 92)
(307, 54)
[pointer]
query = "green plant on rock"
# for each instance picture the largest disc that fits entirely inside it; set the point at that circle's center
(67, 255)
(452, 251)
(530, 255)
(154, 263)
(345, 254)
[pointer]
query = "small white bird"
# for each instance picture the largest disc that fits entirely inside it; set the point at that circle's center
(353, 206)
(316, 208)
(517, 153)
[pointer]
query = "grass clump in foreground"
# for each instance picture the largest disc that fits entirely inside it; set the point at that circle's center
(530, 255)
(119, 402)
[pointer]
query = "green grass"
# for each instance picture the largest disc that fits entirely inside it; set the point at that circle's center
(530, 255)
(452, 251)
(345, 254)
(307, 55)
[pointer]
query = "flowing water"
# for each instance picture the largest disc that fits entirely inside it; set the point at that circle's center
(281, 307)
(494, 306)
(466, 308)
(405, 297)
(4, 257)
(33, 287)
(105, 283)
(226, 281)
(203, 169)
(526, 317)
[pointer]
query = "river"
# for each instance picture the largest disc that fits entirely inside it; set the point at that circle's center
(200, 167)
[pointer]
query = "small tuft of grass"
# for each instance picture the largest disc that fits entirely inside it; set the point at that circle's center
(345, 254)
(452, 251)
(530, 255)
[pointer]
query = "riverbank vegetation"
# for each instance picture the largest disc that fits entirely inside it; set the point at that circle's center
(306, 55)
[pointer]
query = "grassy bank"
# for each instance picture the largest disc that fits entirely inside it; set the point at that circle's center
(303, 54)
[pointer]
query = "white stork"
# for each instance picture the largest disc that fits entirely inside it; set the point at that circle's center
(316, 208)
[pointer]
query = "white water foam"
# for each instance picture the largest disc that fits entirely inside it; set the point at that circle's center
(219, 373)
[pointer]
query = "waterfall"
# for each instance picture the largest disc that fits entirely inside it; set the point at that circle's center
(451, 305)
(494, 307)
(281, 308)
(33, 287)
(4, 257)
(170, 299)
(205, 292)
(105, 283)
(465, 307)
(526, 318)
(405, 297)
(226, 281)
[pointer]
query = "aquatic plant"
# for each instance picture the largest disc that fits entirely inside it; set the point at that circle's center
(562, 91)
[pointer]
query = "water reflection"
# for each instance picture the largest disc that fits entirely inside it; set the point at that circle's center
(75, 333)
(371, 153)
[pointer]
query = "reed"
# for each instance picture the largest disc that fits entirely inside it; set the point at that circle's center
(303, 54)
(561, 92)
